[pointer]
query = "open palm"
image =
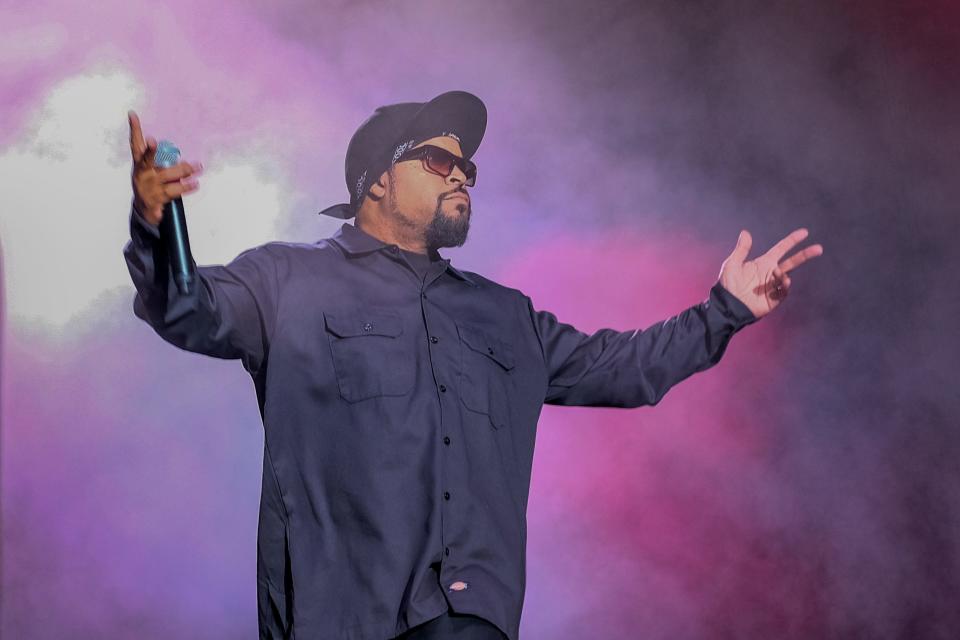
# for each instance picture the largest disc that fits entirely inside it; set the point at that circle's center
(762, 283)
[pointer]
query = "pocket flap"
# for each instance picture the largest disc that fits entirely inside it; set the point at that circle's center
(363, 323)
(486, 406)
(496, 349)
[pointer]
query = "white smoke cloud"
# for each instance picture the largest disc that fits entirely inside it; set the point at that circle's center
(66, 194)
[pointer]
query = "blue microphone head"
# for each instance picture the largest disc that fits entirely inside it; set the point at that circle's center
(167, 154)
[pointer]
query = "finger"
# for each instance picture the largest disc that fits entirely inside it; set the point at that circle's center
(744, 242)
(772, 289)
(780, 249)
(175, 189)
(151, 152)
(137, 144)
(784, 288)
(179, 171)
(778, 289)
(800, 257)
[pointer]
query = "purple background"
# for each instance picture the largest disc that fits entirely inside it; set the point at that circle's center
(807, 487)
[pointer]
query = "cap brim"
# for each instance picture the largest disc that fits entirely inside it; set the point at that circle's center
(460, 112)
(342, 211)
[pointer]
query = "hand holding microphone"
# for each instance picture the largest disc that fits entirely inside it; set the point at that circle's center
(159, 180)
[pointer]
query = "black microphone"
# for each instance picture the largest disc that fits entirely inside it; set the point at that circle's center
(173, 225)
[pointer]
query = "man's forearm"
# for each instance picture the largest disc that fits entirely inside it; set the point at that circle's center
(224, 316)
(634, 368)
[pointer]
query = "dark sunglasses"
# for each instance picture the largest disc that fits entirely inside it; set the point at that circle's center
(441, 162)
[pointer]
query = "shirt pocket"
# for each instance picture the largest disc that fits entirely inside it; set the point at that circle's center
(370, 355)
(485, 373)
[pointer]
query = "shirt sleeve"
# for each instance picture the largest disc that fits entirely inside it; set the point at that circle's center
(229, 314)
(634, 368)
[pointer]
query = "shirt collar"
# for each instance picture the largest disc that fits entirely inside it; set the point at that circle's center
(355, 240)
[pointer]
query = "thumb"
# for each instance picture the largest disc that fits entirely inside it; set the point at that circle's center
(744, 242)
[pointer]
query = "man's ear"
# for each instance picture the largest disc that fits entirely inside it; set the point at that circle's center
(379, 188)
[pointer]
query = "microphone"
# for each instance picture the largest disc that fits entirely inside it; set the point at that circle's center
(173, 225)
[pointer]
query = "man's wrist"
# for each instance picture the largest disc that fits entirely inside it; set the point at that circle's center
(138, 209)
(731, 307)
(141, 229)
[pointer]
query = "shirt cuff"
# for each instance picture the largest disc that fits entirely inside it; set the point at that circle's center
(142, 232)
(730, 306)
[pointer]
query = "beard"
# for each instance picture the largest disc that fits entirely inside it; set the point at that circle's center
(442, 230)
(448, 230)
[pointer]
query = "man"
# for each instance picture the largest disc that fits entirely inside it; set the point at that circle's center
(400, 395)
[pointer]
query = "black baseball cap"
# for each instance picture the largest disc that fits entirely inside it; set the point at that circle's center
(394, 128)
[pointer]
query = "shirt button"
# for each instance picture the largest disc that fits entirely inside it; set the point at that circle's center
(443, 388)
(367, 326)
(446, 495)
(434, 339)
(446, 551)
(446, 439)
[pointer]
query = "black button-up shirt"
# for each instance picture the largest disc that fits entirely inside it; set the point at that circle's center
(400, 412)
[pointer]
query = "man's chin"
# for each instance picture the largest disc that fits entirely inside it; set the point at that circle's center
(450, 228)
(459, 208)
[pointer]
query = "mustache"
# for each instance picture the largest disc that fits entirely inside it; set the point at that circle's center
(455, 192)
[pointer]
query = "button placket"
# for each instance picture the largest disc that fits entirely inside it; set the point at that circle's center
(442, 388)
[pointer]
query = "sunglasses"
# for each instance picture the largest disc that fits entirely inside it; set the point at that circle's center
(441, 162)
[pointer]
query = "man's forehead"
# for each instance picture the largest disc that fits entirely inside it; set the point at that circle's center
(448, 142)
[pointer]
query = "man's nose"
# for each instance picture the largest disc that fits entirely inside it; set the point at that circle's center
(456, 176)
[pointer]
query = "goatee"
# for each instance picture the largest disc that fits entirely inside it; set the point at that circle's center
(448, 230)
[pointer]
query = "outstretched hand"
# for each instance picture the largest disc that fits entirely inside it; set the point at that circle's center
(762, 283)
